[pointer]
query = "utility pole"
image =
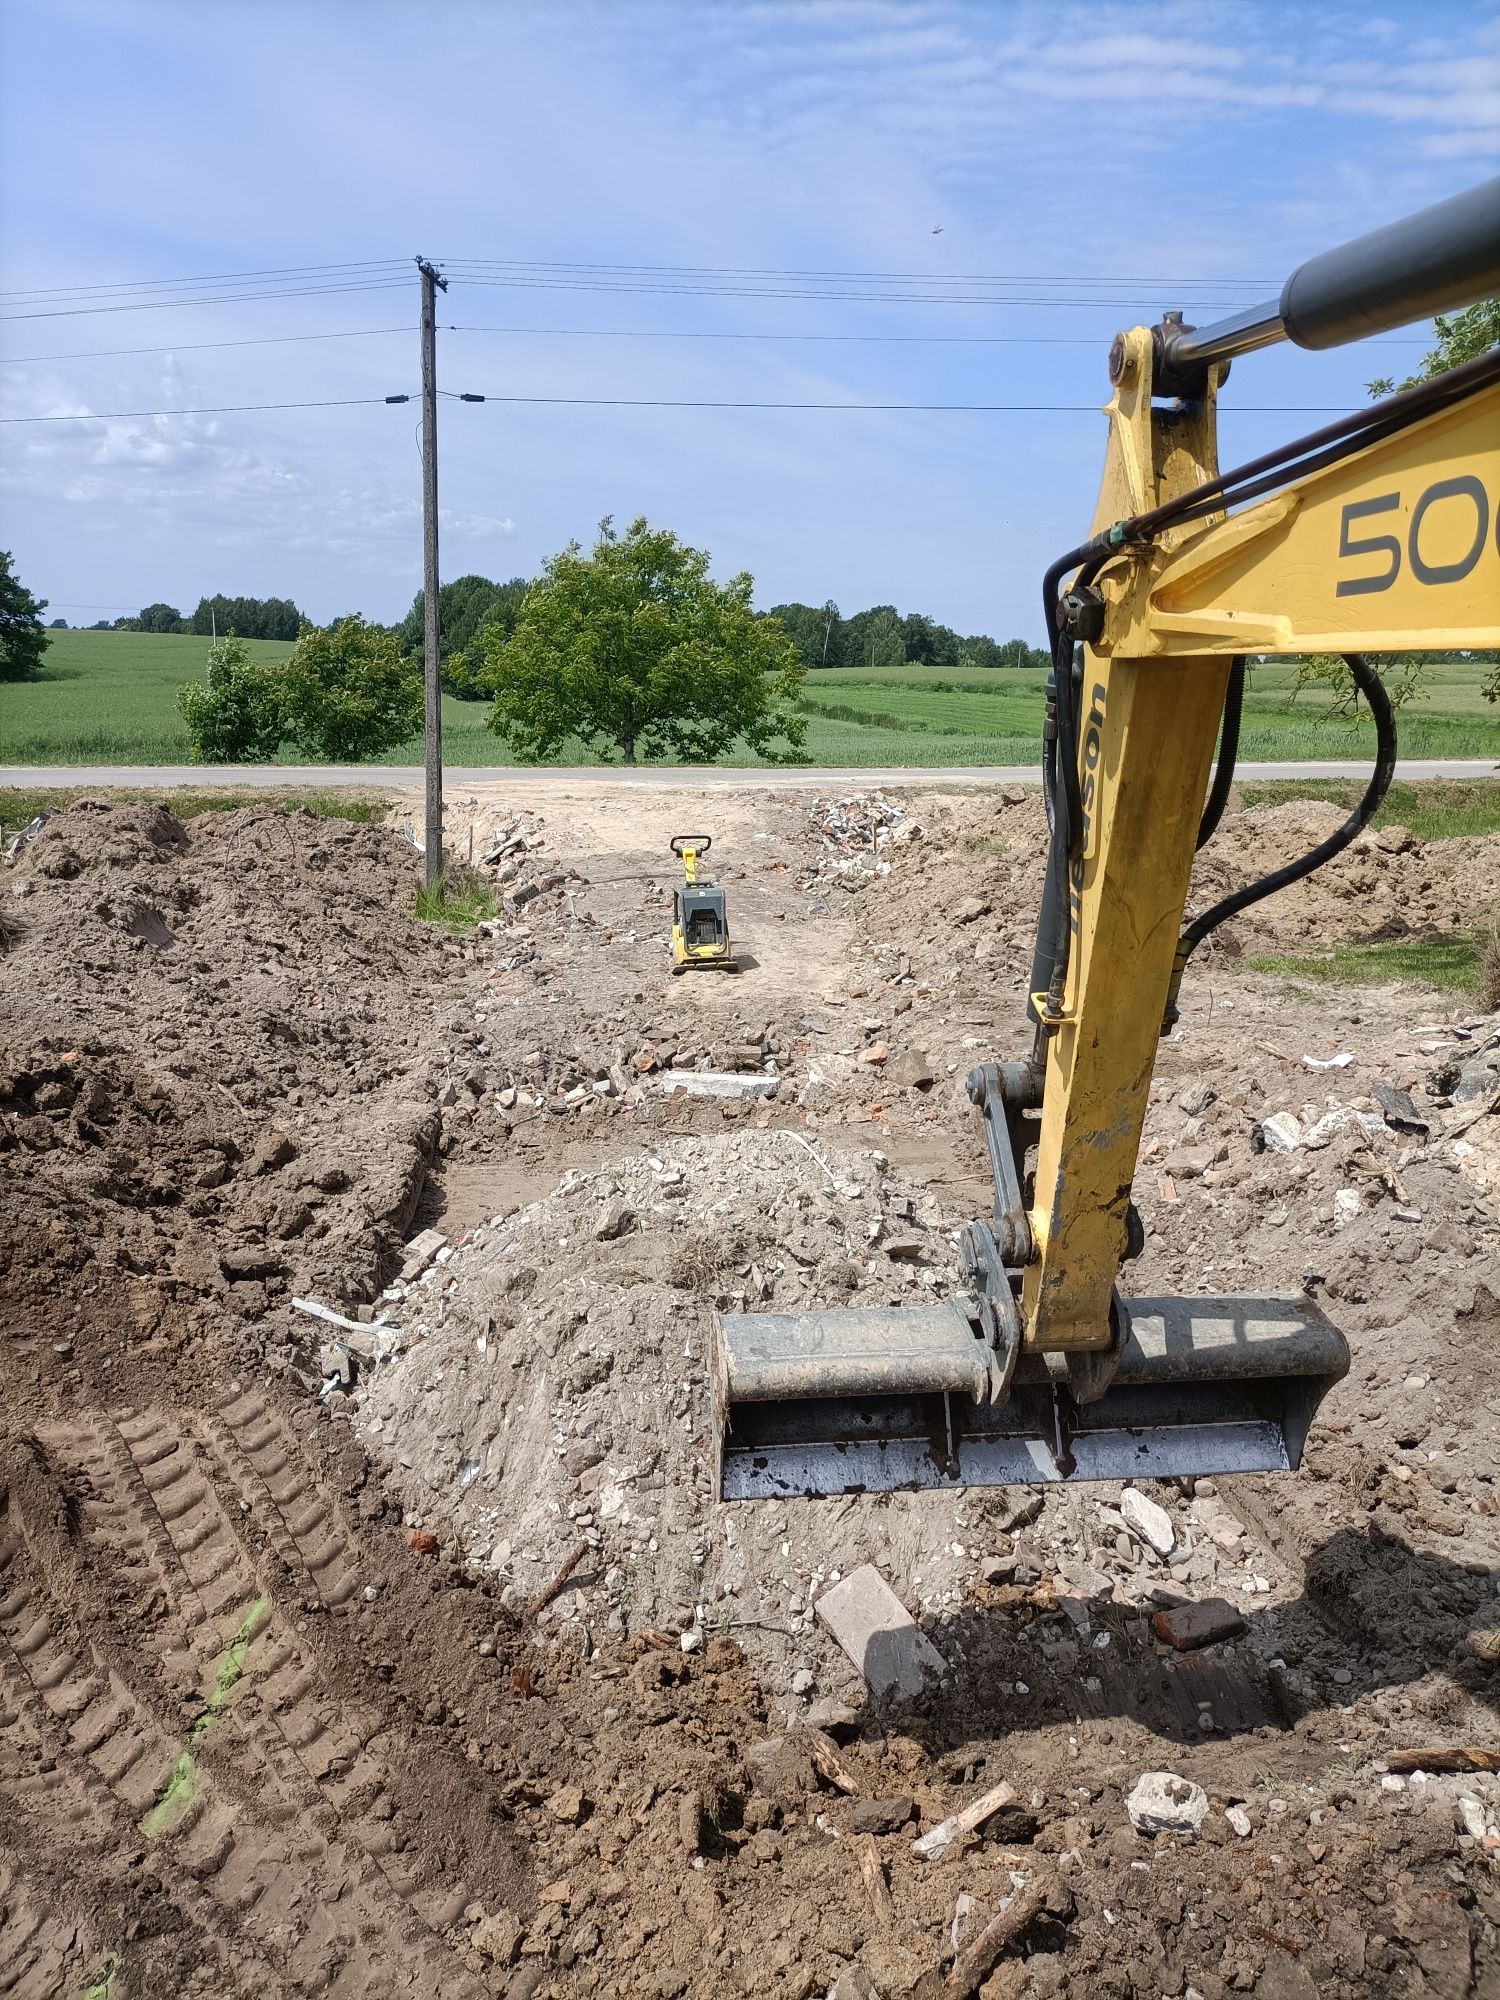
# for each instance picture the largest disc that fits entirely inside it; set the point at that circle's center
(430, 637)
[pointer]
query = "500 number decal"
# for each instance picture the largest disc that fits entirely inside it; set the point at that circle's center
(1463, 491)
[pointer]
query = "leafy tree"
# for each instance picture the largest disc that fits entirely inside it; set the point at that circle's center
(1460, 337)
(237, 715)
(23, 638)
(467, 608)
(349, 694)
(160, 618)
(636, 646)
(57, 625)
(247, 617)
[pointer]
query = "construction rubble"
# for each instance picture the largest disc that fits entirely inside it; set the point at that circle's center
(372, 1624)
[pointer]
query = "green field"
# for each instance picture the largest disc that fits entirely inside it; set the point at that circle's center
(110, 697)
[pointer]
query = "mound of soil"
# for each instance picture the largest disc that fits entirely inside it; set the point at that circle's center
(205, 1020)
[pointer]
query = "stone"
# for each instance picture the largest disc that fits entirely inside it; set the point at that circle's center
(875, 1054)
(567, 1804)
(1188, 1163)
(1239, 1819)
(880, 1815)
(854, 1983)
(803, 1681)
(1281, 1133)
(911, 1069)
(1398, 1108)
(1485, 1645)
(1162, 1802)
(1189, 1626)
(970, 910)
(498, 1937)
(1151, 1522)
(878, 1634)
(616, 1221)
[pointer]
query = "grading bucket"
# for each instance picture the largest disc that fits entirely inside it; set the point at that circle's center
(892, 1399)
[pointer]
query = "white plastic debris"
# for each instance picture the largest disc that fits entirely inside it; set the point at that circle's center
(1340, 1061)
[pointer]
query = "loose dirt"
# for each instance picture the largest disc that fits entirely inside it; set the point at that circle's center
(445, 1672)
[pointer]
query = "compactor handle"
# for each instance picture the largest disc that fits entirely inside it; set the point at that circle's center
(699, 842)
(1438, 260)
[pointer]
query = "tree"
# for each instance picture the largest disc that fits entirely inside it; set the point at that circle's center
(23, 638)
(237, 715)
(161, 618)
(636, 647)
(1460, 337)
(247, 617)
(57, 625)
(349, 694)
(467, 608)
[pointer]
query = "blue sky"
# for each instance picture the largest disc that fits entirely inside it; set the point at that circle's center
(1140, 150)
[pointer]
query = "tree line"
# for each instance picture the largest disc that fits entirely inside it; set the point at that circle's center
(472, 606)
(886, 637)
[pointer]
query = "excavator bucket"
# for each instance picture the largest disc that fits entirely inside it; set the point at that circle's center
(892, 1399)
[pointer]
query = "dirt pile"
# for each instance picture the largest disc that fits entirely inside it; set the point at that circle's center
(203, 1019)
(554, 1390)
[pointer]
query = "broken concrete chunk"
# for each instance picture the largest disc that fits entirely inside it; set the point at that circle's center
(717, 1083)
(1189, 1626)
(1164, 1803)
(874, 1628)
(970, 910)
(1151, 1522)
(420, 1252)
(1282, 1132)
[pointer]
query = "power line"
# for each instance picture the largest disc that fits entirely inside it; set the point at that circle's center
(1121, 302)
(752, 271)
(210, 278)
(713, 403)
(198, 346)
(217, 299)
(661, 403)
(618, 333)
(206, 410)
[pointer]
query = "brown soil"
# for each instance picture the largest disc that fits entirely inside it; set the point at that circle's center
(234, 1071)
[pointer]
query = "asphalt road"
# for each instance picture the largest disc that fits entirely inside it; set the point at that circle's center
(458, 778)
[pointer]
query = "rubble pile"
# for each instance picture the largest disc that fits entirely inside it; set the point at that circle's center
(855, 837)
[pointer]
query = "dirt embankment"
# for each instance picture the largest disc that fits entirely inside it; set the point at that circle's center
(451, 1676)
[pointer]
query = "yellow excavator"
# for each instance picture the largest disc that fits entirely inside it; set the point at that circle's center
(1378, 533)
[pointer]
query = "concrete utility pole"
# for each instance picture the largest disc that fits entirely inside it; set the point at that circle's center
(431, 662)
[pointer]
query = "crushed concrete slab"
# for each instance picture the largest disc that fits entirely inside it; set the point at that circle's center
(718, 1083)
(879, 1635)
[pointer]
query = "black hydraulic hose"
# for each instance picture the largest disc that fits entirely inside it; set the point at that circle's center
(1318, 448)
(1372, 688)
(1229, 745)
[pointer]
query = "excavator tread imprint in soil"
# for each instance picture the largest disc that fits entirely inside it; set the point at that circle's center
(218, 1733)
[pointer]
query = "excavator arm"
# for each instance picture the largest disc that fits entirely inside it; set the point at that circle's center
(1379, 533)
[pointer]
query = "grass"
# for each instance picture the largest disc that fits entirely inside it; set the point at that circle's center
(458, 902)
(110, 697)
(1453, 963)
(20, 804)
(1436, 809)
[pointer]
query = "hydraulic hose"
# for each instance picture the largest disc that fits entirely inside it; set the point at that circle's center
(1372, 688)
(1229, 745)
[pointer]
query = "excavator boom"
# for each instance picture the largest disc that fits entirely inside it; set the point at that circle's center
(1378, 533)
